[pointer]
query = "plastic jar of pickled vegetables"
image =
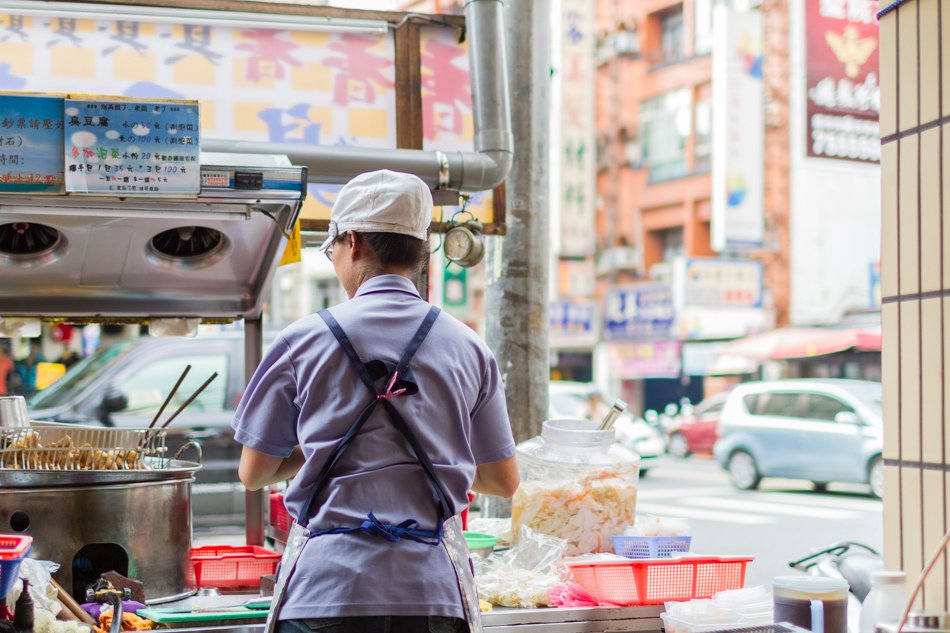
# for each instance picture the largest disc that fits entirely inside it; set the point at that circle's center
(576, 484)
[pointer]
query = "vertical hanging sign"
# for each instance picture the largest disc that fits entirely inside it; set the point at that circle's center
(844, 97)
(738, 130)
(577, 128)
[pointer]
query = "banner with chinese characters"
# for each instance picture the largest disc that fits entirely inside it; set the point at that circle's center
(572, 324)
(738, 133)
(843, 94)
(637, 360)
(577, 155)
(640, 311)
(132, 147)
(254, 84)
(31, 144)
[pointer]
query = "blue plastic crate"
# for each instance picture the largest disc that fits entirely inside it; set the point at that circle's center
(650, 546)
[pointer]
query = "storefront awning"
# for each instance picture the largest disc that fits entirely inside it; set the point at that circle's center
(791, 343)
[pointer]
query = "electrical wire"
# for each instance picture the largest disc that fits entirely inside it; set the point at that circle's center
(279, 227)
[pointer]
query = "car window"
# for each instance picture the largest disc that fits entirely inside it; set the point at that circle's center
(715, 407)
(147, 388)
(786, 405)
(822, 407)
(79, 376)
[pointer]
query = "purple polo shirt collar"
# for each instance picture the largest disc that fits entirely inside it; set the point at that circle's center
(387, 283)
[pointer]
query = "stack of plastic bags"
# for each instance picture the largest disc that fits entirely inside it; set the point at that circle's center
(738, 608)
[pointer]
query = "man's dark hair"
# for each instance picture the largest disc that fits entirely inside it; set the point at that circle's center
(394, 250)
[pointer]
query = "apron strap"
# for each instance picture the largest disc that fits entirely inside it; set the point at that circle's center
(344, 342)
(441, 498)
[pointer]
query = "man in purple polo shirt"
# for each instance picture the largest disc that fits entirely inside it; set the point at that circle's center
(385, 413)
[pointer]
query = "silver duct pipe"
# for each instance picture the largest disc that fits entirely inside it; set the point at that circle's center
(485, 168)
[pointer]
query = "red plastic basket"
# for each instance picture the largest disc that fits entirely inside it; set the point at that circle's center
(279, 517)
(655, 581)
(13, 549)
(226, 566)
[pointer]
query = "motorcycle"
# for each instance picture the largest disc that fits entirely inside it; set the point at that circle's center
(848, 560)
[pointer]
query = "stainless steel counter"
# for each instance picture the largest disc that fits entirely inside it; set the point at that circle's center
(567, 620)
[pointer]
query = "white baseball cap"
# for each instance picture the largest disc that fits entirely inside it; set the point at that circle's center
(381, 201)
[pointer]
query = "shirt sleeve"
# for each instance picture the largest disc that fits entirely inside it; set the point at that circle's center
(266, 418)
(491, 430)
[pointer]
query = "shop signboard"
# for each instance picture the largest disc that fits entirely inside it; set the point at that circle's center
(132, 147)
(269, 83)
(636, 360)
(577, 156)
(738, 132)
(643, 311)
(843, 94)
(698, 358)
(722, 283)
(454, 286)
(31, 144)
(572, 324)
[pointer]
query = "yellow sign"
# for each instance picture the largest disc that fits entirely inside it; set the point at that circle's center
(292, 250)
(48, 373)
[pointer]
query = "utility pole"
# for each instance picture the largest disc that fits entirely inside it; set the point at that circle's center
(517, 275)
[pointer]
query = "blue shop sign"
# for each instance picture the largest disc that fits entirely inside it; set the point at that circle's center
(639, 312)
(571, 320)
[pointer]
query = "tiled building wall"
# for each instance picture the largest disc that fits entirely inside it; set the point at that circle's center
(915, 284)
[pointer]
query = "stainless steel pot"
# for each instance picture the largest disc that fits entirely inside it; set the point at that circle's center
(13, 412)
(140, 529)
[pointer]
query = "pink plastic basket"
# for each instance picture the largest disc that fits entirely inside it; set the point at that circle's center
(655, 581)
(224, 566)
(279, 517)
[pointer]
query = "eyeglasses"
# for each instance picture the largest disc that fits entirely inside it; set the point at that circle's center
(328, 251)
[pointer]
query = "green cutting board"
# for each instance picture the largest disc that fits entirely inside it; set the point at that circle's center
(176, 616)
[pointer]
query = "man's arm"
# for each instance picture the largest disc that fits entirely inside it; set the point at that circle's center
(258, 469)
(499, 479)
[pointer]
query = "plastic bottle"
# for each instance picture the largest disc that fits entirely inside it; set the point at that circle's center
(23, 610)
(886, 600)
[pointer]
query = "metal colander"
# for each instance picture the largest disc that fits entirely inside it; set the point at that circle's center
(62, 447)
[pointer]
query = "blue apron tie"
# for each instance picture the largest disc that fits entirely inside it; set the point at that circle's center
(408, 529)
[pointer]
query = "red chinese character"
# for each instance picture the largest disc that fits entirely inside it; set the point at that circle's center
(445, 89)
(359, 69)
(268, 54)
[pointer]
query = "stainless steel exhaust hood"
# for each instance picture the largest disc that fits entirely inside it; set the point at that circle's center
(211, 256)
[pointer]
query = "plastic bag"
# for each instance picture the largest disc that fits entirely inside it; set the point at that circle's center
(651, 525)
(43, 593)
(524, 575)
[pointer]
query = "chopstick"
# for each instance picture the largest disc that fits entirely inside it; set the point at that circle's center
(171, 394)
(189, 400)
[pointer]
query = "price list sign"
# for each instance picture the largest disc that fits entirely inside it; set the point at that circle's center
(132, 147)
(31, 142)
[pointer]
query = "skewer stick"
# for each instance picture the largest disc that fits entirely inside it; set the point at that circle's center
(171, 394)
(189, 400)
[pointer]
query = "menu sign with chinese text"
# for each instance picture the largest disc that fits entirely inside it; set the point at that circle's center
(843, 94)
(31, 144)
(643, 311)
(131, 147)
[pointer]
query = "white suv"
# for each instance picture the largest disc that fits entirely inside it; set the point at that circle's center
(820, 430)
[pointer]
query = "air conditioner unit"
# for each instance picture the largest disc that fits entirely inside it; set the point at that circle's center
(626, 43)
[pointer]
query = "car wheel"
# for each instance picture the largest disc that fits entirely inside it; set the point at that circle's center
(876, 477)
(820, 486)
(678, 446)
(743, 471)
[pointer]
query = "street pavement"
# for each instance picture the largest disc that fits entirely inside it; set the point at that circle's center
(782, 521)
